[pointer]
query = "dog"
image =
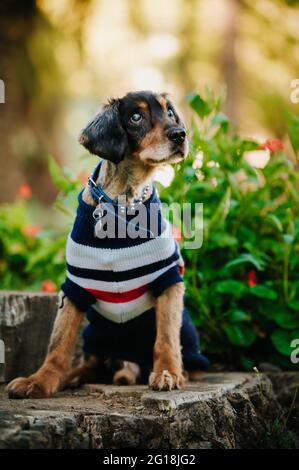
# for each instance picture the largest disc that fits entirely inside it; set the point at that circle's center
(132, 291)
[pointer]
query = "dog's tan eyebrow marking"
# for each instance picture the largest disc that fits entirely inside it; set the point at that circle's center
(162, 102)
(142, 104)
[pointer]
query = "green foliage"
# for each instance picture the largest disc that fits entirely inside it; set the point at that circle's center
(293, 129)
(28, 256)
(242, 284)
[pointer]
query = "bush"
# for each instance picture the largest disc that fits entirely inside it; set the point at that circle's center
(30, 258)
(242, 284)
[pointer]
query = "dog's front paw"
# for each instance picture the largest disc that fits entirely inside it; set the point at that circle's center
(25, 387)
(165, 380)
(31, 387)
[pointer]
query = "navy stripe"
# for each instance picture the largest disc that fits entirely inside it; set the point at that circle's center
(118, 276)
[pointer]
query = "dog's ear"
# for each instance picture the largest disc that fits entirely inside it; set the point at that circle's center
(104, 135)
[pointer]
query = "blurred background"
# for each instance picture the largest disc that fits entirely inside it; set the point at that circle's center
(61, 58)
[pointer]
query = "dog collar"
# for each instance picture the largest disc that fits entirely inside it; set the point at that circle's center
(99, 195)
(100, 198)
(97, 192)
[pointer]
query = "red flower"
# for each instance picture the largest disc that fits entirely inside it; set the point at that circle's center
(177, 234)
(48, 286)
(251, 278)
(24, 191)
(274, 145)
(31, 230)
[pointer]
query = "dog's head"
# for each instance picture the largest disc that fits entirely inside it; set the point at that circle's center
(141, 125)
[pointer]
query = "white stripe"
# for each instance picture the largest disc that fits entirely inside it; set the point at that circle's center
(119, 259)
(121, 313)
(122, 286)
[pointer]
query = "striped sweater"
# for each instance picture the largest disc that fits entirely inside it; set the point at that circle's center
(119, 277)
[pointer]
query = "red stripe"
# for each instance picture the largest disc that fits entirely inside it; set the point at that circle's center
(182, 270)
(119, 297)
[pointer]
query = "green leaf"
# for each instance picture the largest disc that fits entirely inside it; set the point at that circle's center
(199, 105)
(240, 335)
(236, 316)
(248, 145)
(221, 120)
(275, 221)
(247, 258)
(220, 213)
(235, 288)
(293, 130)
(286, 320)
(296, 228)
(56, 174)
(222, 240)
(282, 340)
(263, 292)
(294, 305)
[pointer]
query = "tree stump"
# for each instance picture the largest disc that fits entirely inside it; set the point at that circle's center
(227, 410)
(26, 321)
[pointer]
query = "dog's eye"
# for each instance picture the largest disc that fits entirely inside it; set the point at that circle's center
(170, 112)
(136, 117)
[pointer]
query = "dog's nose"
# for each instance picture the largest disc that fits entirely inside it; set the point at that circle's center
(177, 135)
(83, 139)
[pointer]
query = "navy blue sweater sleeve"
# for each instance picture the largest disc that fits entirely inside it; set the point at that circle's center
(167, 279)
(79, 296)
